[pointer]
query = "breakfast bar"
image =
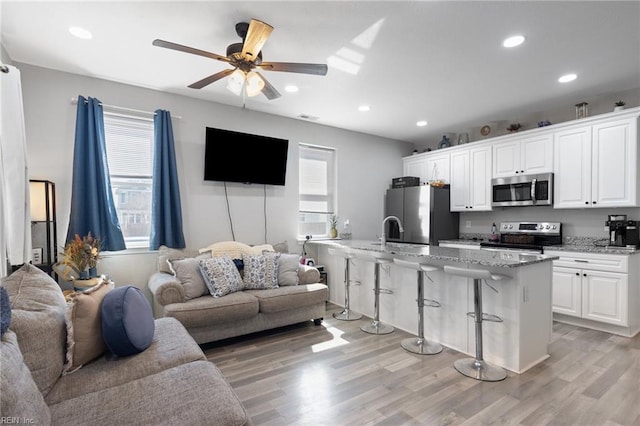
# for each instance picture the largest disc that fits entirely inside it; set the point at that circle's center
(522, 300)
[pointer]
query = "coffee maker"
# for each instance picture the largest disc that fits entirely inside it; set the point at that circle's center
(623, 232)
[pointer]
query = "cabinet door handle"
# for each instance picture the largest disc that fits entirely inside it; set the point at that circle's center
(584, 275)
(580, 261)
(593, 202)
(577, 274)
(586, 202)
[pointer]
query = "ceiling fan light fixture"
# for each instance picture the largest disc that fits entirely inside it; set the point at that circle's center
(236, 82)
(255, 84)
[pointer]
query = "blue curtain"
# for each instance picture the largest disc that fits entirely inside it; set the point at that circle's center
(166, 211)
(92, 207)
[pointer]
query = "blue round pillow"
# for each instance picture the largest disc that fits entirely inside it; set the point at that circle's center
(127, 321)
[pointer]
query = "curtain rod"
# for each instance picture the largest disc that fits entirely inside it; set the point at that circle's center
(74, 101)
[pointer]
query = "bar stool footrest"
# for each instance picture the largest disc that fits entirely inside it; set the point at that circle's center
(486, 317)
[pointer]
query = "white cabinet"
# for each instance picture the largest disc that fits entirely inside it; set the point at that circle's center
(523, 156)
(438, 167)
(471, 179)
(614, 164)
(596, 166)
(604, 297)
(416, 166)
(591, 286)
(428, 166)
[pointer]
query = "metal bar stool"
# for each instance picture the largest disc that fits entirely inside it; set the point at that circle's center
(419, 345)
(375, 326)
(477, 368)
(346, 314)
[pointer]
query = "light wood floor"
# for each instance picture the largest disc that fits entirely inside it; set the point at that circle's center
(335, 374)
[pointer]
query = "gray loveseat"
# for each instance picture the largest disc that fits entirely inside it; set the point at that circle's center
(171, 382)
(209, 318)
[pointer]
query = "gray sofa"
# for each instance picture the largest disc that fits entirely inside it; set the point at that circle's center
(169, 383)
(208, 319)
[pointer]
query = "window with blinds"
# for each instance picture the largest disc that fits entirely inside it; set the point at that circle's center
(129, 143)
(317, 177)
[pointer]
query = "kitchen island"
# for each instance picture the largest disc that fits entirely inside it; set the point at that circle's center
(523, 301)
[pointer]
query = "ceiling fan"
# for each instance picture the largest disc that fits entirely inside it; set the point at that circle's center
(244, 58)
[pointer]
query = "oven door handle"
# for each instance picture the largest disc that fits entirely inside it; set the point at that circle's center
(533, 189)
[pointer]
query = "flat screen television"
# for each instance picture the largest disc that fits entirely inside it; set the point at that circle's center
(241, 157)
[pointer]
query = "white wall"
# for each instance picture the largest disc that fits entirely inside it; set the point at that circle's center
(366, 164)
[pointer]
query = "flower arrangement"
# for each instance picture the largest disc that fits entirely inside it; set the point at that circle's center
(620, 103)
(82, 253)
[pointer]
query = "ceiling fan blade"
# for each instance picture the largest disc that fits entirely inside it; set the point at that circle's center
(212, 78)
(257, 36)
(187, 49)
(317, 69)
(268, 90)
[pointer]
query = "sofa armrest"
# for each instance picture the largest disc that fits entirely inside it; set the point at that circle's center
(308, 274)
(166, 288)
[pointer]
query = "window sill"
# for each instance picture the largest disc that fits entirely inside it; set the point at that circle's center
(301, 241)
(128, 252)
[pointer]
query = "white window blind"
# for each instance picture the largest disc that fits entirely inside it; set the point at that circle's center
(317, 179)
(317, 189)
(129, 143)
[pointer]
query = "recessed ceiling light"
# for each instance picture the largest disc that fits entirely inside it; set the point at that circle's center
(364, 108)
(80, 33)
(291, 88)
(567, 78)
(513, 41)
(421, 123)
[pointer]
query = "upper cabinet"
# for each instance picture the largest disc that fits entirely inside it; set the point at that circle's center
(596, 165)
(471, 179)
(525, 156)
(431, 166)
(416, 166)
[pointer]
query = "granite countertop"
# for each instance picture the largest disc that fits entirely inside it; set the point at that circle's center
(578, 245)
(586, 248)
(499, 259)
(475, 242)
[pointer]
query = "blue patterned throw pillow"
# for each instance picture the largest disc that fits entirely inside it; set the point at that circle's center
(261, 271)
(5, 310)
(220, 275)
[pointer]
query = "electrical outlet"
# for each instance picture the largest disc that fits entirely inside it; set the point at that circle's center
(468, 224)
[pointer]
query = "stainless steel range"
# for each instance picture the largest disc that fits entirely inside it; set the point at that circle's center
(526, 236)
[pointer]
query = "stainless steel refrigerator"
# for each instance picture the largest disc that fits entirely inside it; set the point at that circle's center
(424, 212)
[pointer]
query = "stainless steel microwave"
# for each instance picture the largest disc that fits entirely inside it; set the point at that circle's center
(522, 190)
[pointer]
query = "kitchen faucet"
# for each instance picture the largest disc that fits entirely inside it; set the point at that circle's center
(383, 237)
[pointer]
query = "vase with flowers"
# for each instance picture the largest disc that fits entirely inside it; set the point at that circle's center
(80, 258)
